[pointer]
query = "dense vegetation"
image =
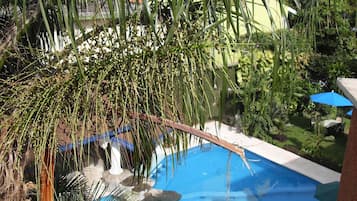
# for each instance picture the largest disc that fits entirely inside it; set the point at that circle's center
(168, 64)
(270, 101)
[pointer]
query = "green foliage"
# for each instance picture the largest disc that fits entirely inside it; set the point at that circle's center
(334, 31)
(254, 86)
(265, 106)
(302, 140)
(313, 146)
(334, 38)
(158, 60)
(75, 187)
(295, 43)
(164, 69)
(328, 68)
(168, 81)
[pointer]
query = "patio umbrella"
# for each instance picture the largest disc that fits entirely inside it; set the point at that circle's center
(349, 113)
(327, 192)
(331, 98)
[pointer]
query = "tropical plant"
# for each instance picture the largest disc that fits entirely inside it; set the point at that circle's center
(75, 187)
(146, 62)
(313, 145)
(254, 79)
(265, 109)
(334, 39)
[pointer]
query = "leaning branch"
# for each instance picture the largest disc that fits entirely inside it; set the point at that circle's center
(185, 128)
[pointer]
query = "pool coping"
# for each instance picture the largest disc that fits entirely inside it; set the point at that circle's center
(273, 153)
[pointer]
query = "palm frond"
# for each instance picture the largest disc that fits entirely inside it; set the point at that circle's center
(166, 67)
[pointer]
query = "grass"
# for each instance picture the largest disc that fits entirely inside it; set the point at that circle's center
(299, 134)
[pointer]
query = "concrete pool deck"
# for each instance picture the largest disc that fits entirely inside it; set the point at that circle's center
(273, 153)
(96, 172)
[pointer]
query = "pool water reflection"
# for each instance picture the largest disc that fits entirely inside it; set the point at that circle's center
(211, 173)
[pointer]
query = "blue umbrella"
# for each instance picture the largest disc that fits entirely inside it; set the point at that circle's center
(349, 113)
(331, 98)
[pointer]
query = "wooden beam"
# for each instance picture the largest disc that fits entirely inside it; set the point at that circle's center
(347, 189)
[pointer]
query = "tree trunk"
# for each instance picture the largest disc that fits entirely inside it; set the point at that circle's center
(47, 176)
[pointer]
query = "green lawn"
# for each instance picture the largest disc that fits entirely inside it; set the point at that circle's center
(329, 153)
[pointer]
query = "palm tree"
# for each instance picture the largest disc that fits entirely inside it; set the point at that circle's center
(150, 64)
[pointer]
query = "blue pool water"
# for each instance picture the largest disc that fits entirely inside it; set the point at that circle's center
(211, 173)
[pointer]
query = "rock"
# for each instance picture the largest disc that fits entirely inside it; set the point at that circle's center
(93, 172)
(131, 181)
(116, 179)
(139, 184)
(141, 187)
(157, 195)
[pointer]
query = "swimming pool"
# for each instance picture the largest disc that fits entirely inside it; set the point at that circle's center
(211, 173)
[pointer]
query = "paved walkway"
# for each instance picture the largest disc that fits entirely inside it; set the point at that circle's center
(273, 153)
